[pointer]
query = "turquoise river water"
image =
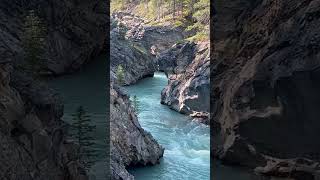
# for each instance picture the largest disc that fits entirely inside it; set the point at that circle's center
(186, 143)
(87, 88)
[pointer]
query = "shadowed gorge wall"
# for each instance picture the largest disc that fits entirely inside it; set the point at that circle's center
(292, 133)
(265, 101)
(33, 136)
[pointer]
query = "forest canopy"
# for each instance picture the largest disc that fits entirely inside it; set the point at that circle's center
(191, 15)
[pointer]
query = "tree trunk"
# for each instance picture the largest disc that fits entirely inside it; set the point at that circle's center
(192, 7)
(181, 8)
(174, 9)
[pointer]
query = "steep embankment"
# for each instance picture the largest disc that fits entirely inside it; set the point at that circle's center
(188, 67)
(130, 144)
(266, 73)
(32, 134)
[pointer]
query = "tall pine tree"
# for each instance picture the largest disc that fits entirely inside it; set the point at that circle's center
(33, 42)
(82, 133)
(136, 104)
(120, 75)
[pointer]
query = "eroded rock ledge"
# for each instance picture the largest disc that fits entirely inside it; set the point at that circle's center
(266, 73)
(187, 66)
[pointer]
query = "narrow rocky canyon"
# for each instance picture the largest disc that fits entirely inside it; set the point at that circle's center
(142, 51)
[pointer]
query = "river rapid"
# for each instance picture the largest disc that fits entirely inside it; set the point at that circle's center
(186, 143)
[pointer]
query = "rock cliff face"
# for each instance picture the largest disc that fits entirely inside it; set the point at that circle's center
(187, 66)
(266, 78)
(130, 144)
(128, 51)
(137, 51)
(31, 134)
(76, 31)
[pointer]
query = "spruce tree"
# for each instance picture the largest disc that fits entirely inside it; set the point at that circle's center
(136, 104)
(120, 75)
(82, 133)
(122, 30)
(33, 42)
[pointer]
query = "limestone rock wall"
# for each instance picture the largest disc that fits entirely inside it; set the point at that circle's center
(187, 66)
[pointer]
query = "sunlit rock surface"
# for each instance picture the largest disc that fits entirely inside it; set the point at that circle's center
(187, 66)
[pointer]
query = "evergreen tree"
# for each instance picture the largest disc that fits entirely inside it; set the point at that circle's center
(136, 104)
(192, 15)
(120, 75)
(83, 135)
(122, 29)
(33, 42)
